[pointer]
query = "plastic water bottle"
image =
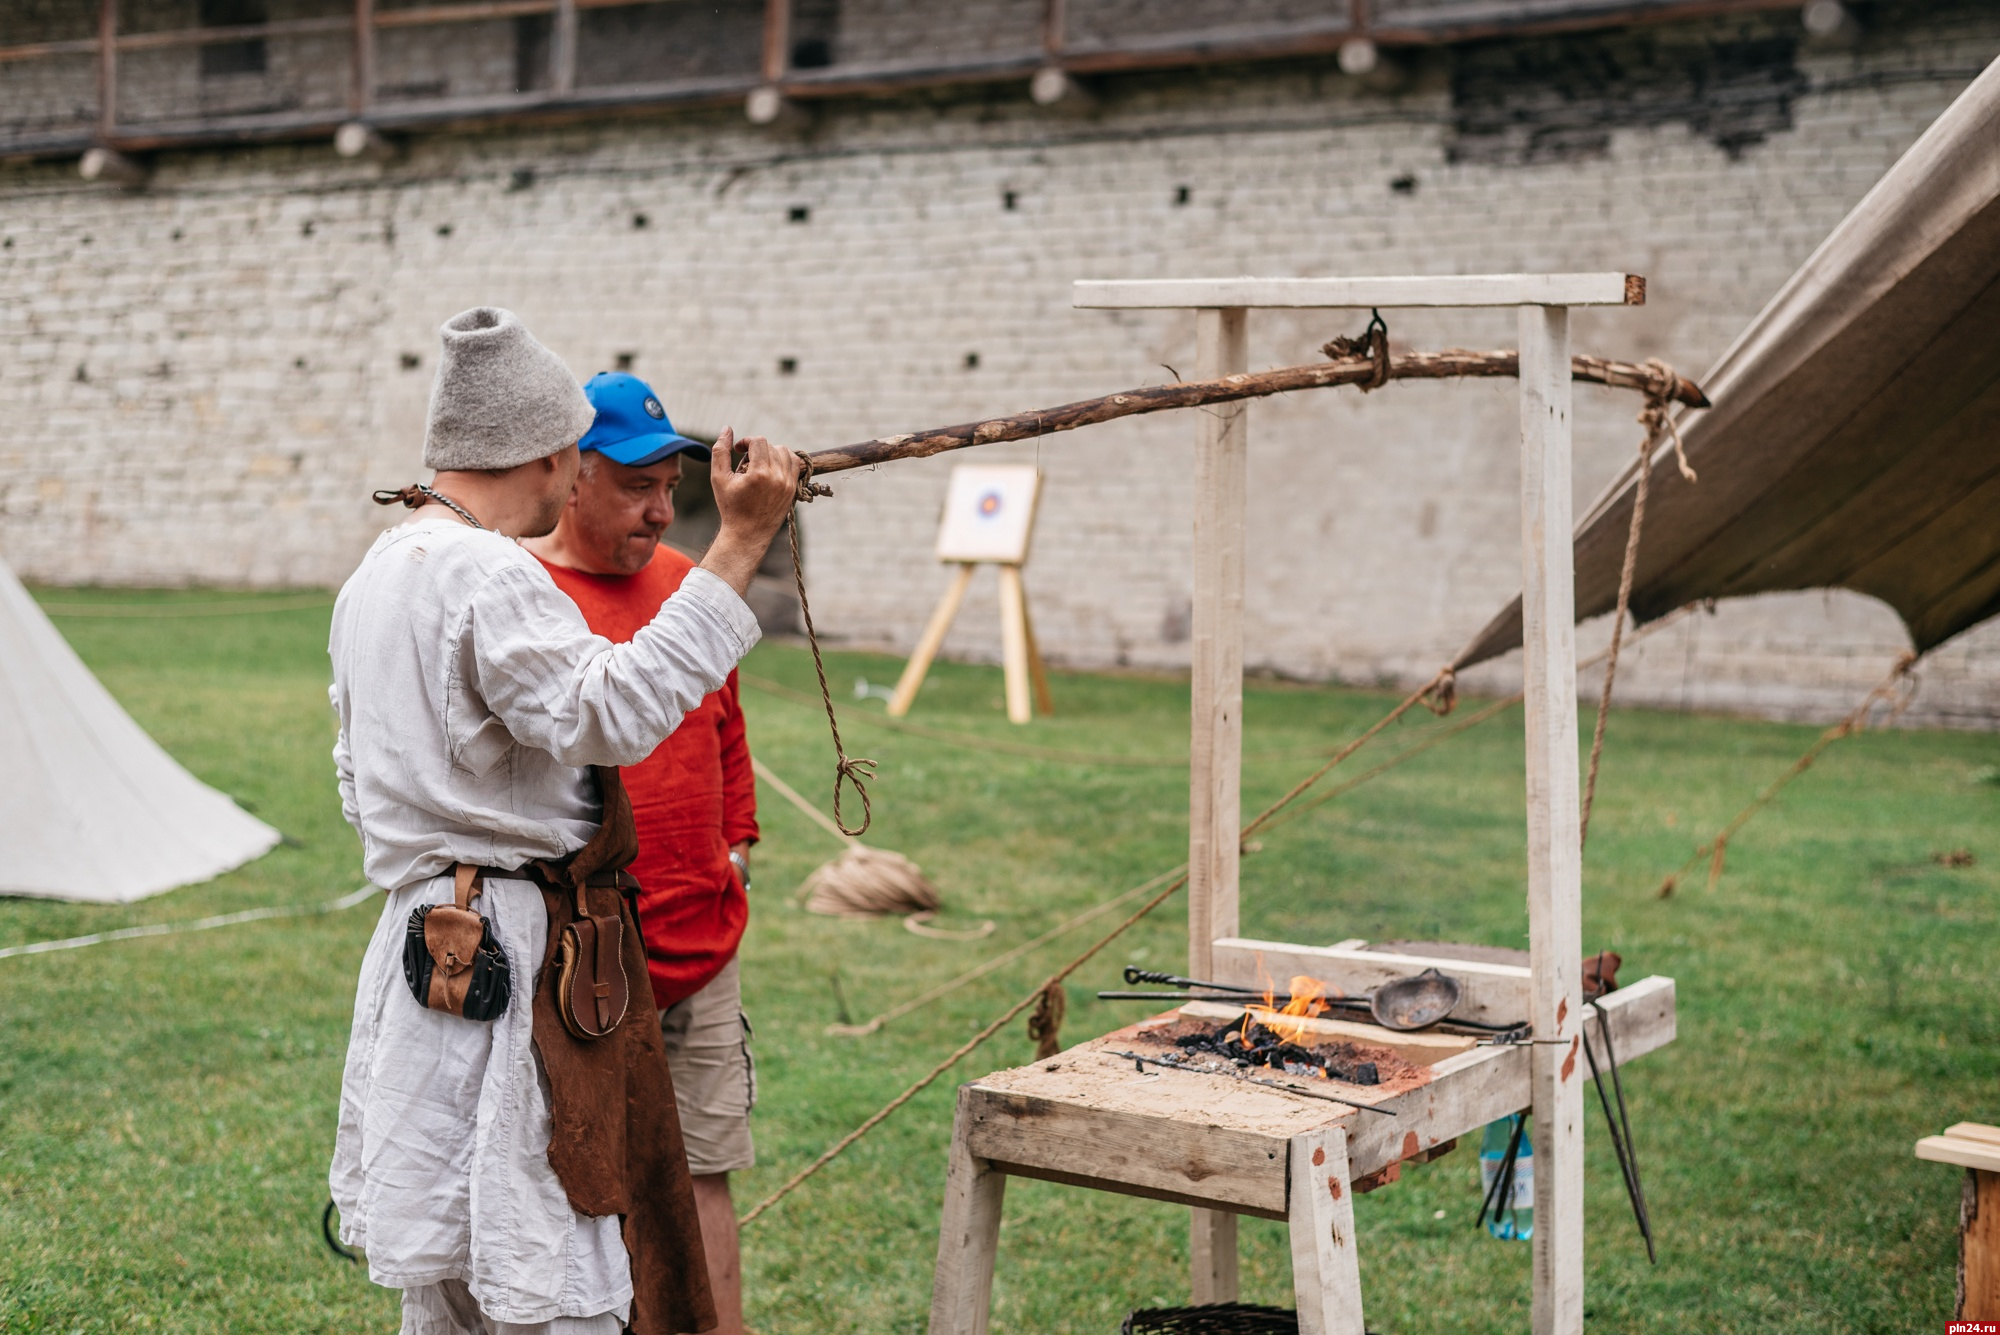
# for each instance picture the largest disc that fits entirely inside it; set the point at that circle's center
(1513, 1218)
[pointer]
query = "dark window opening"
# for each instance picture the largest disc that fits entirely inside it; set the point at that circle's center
(532, 33)
(639, 221)
(788, 365)
(800, 213)
(411, 361)
(221, 59)
(812, 53)
(1182, 194)
(1008, 199)
(1404, 185)
(624, 360)
(972, 361)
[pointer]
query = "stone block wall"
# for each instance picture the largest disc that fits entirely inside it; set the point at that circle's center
(201, 382)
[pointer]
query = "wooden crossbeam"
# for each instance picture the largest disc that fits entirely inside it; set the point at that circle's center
(1530, 289)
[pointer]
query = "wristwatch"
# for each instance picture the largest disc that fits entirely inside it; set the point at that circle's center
(742, 865)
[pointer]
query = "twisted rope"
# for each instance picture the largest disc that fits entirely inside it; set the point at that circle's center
(847, 770)
(1654, 417)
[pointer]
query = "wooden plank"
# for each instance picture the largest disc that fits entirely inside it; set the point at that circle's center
(1555, 860)
(1492, 993)
(1014, 644)
(968, 1237)
(1326, 1271)
(1215, 811)
(1962, 1151)
(1166, 1158)
(1423, 1049)
(1974, 1131)
(929, 643)
(1533, 289)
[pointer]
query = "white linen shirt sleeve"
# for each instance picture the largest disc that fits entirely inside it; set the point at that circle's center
(343, 764)
(561, 689)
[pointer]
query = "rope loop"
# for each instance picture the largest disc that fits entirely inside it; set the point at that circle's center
(807, 487)
(856, 771)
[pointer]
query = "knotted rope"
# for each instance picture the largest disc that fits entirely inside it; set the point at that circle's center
(1372, 343)
(854, 770)
(1654, 417)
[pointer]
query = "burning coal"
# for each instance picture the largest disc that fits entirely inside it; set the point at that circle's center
(1263, 1038)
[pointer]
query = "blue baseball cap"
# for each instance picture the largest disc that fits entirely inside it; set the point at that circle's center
(631, 426)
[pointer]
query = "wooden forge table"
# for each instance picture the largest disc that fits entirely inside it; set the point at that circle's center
(1227, 1147)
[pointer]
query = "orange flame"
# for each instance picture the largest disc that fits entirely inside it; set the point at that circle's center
(1308, 999)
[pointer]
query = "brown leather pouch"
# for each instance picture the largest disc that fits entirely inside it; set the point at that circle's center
(592, 991)
(451, 958)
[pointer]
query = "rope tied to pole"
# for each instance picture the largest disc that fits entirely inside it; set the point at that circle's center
(1372, 343)
(855, 771)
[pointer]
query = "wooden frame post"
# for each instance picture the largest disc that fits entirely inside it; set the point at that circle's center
(107, 69)
(361, 74)
(1215, 814)
(562, 48)
(777, 59)
(1215, 811)
(1555, 860)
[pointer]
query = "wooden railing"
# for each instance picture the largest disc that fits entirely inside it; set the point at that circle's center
(1049, 67)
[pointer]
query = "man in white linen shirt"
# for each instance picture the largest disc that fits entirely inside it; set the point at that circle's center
(471, 696)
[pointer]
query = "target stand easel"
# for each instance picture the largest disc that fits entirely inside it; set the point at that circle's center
(1093, 1117)
(989, 516)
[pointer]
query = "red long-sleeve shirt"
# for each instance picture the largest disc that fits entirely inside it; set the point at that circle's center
(693, 798)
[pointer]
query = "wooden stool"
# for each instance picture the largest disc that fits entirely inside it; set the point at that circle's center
(1089, 1117)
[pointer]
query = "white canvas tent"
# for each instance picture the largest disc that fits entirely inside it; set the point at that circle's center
(1854, 440)
(90, 807)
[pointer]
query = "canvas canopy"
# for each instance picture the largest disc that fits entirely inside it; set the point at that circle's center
(1854, 440)
(91, 807)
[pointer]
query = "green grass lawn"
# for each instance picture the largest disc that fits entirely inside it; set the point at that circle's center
(167, 1105)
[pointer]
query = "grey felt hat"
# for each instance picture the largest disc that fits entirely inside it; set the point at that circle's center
(500, 398)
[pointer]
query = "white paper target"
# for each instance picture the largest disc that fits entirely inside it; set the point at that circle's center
(989, 513)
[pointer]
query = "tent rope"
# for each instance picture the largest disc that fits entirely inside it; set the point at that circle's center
(1890, 688)
(1656, 418)
(1438, 688)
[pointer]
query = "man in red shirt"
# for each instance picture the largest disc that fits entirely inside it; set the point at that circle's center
(694, 800)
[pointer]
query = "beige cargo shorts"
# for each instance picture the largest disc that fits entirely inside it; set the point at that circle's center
(707, 1038)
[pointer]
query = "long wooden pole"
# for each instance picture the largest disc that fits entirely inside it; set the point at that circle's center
(1231, 388)
(1215, 744)
(1555, 861)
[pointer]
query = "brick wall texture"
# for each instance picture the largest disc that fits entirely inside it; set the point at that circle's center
(201, 382)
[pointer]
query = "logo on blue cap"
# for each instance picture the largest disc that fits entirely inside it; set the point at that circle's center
(631, 426)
